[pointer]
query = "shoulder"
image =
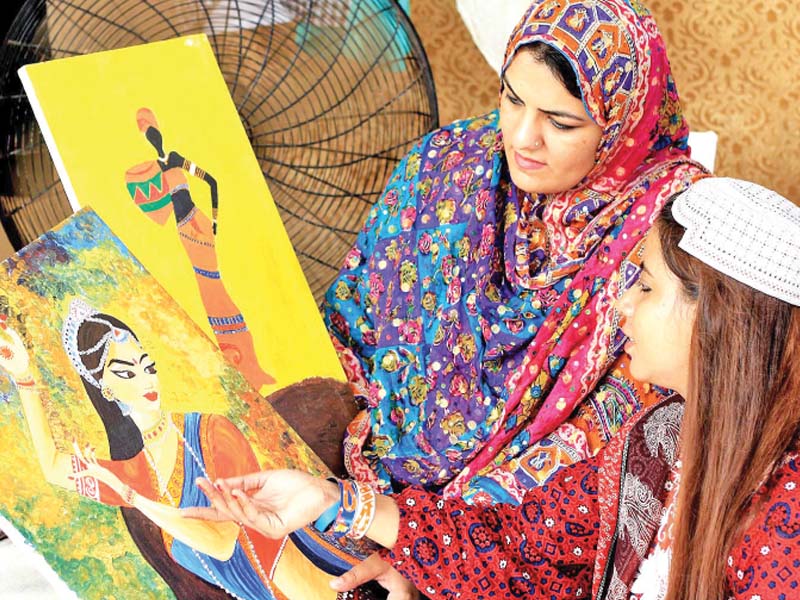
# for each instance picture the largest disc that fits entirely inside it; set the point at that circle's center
(225, 447)
(213, 430)
(464, 129)
(219, 426)
(663, 178)
(458, 133)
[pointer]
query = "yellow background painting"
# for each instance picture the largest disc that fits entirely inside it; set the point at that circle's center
(85, 542)
(87, 106)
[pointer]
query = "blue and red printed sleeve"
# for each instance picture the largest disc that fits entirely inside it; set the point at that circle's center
(543, 548)
(765, 563)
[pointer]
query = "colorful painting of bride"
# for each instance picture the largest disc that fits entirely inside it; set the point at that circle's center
(112, 404)
(156, 456)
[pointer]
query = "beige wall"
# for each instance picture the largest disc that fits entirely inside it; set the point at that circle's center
(735, 63)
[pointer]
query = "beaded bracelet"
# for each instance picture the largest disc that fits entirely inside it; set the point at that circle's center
(128, 495)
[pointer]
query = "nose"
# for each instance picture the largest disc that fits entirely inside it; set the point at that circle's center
(624, 304)
(528, 134)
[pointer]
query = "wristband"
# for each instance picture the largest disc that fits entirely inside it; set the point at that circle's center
(128, 495)
(326, 518)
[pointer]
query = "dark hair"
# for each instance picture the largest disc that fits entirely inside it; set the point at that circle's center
(742, 412)
(125, 442)
(124, 437)
(558, 64)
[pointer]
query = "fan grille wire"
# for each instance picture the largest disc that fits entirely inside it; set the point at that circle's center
(332, 94)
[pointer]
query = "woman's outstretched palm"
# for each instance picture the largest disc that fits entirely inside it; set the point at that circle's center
(274, 503)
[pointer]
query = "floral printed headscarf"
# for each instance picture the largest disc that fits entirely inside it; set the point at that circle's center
(480, 315)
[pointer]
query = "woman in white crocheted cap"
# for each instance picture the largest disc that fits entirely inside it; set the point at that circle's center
(695, 499)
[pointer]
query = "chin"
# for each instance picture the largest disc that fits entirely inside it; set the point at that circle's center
(531, 184)
(637, 373)
(528, 184)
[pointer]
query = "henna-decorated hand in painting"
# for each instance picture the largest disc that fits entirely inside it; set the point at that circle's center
(91, 468)
(274, 503)
(13, 354)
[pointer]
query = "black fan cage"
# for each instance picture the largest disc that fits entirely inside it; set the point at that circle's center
(331, 93)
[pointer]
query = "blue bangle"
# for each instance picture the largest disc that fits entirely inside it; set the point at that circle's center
(348, 507)
(326, 518)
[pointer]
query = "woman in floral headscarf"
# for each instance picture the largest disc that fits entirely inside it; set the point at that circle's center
(475, 308)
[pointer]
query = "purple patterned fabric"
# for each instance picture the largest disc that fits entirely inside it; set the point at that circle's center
(478, 311)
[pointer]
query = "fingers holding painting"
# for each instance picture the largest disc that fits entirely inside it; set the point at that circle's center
(207, 513)
(227, 505)
(219, 509)
(367, 570)
(232, 502)
(249, 483)
(375, 568)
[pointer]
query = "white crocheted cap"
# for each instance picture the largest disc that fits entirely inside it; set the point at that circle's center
(745, 231)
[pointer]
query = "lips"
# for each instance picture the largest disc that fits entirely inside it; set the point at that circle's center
(628, 344)
(151, 396)
(527, 164)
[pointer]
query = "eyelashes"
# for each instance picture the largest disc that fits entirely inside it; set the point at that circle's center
(128, 374)
(516, 101)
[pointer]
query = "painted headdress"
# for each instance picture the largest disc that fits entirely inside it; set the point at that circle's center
(145, 118)
(79, 313)
(745, 231)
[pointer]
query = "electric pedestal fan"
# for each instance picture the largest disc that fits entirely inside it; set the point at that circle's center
(331, 92)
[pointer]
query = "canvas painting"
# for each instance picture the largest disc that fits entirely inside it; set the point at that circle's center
(112, 403)
(149, 137)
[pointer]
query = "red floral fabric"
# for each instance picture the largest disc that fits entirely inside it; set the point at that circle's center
(765, 563)
(547, 547)
(543, 548)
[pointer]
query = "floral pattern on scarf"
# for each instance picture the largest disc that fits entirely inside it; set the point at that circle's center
(482, 315)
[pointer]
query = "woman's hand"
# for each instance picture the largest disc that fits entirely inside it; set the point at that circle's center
(275, 503)
(13, 354)
(92, 468)
(374, 567)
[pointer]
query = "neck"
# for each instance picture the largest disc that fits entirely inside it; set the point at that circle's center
(149, 420)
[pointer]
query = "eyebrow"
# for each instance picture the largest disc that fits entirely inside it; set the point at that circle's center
(125, 362)
(551, 113)
(117, 360)
(646, 270)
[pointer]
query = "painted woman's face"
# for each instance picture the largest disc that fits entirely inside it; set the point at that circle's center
(658, 322)
(131, 376)
(549, 140)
